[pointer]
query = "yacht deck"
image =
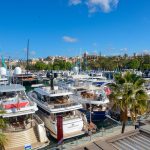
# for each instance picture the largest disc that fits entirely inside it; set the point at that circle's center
(52, 93)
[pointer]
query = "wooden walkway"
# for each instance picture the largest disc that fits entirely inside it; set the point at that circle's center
(100, 144)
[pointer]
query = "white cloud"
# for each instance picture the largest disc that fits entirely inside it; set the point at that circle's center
(97, 5)
(146, 52)
(75, 2)
(103, 5)
(124, 50)
(69, 39)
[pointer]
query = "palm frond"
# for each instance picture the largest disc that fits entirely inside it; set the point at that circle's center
(129, 87)
(3, 139)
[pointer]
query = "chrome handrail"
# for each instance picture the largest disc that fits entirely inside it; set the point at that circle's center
(64, 105)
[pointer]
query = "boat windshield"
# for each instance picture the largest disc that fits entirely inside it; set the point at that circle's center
(69, 115)
(11, 95)
(56, 100)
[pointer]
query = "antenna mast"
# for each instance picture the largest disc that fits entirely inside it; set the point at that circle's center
(27, 56)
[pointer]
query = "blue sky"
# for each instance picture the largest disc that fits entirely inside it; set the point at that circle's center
(70, 27)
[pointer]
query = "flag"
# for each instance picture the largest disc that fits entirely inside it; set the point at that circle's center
(59, 129)
(3, 63)
(107, 90)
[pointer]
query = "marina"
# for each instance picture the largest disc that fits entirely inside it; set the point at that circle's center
(74, 75)
(83, 105)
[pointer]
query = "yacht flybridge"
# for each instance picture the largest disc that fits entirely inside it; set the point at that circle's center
(14, 101)
(57, 102)
(22, 125)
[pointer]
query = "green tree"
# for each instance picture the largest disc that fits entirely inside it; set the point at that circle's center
(49, 66)
(93, 64)
(69, 65)
(134, 64)
(3, 139)
(40, 65)
(56, 67)
(146, 59)
(146, 66)
(128, 95)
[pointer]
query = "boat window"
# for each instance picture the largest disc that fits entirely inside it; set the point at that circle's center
(42, 98)
(59, 99)
(7, 94)
(66, 114)
(39, 96)
(47, 98)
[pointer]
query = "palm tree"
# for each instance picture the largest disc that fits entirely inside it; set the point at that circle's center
(128, 95)
(3, 139)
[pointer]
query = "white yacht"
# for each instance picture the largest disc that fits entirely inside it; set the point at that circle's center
(3, 76)
(57, 102)
(24, 78)
(22, 125)
(97, 77)
(3, 81)
(95, 102)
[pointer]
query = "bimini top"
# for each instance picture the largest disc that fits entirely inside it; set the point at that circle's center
(11, 88)
(53, 93)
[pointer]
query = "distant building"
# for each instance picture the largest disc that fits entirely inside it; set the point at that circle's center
(33, 61)
(90, 57)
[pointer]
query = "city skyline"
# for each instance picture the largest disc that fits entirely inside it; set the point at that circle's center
(71, 27)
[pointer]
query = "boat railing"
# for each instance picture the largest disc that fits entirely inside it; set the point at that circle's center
(32, 103)
(55, 106)
(16, 99)
(80, 98)
(59, 91)
(37, 119)
(76, 97)
(19, 126)
(69, 117)
(55, 91)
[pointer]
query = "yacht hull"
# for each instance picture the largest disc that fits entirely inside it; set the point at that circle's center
(71, 128)
(94, 115)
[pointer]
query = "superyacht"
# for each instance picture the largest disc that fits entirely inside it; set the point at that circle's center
(22, 125)
(53, 102)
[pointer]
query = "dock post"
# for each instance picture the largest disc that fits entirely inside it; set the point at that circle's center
(76, 141)
(90, 134)
(102, 131)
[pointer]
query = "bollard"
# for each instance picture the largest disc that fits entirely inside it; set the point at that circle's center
(76, 141)
(90, 134)
(102, 131)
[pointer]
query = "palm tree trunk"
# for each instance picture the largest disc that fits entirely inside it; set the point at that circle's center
(124, 118)
(123, 126)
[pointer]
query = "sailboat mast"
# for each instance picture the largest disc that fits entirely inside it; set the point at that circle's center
(27, 56)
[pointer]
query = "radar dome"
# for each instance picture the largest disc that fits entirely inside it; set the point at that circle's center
(17, 70)
(2, 71)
